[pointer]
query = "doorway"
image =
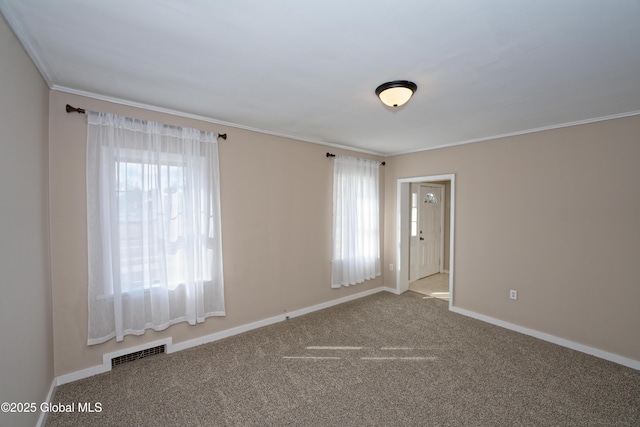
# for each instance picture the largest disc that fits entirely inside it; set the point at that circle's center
(404, 231)
(434, 286)
(426, 232)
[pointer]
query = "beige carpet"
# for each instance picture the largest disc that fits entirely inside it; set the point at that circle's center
(383, 360)
(435, 286)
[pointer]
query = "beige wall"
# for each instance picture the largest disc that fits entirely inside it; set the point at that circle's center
(26, 356)
(554, 215)
(276, 229)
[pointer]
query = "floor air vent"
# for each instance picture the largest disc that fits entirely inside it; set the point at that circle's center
(126, 358)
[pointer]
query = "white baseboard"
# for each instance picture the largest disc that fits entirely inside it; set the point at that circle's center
(331, 303)
(631, 363)
(42, 419)
(392, 290)
(224, 334)
(83, 373)
(172, 348)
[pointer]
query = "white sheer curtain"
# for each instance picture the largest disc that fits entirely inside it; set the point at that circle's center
(153, 211)
(356, 221)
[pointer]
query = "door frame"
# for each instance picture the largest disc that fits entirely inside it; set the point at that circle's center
(403, 194)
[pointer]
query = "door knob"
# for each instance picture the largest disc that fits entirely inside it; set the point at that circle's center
(422, 238)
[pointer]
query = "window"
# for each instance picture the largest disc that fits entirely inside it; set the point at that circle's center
(155, 253)
(430, 198)
(356, 221)
(150, 200)
(414, 215)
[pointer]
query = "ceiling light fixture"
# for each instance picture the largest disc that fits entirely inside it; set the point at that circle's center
(396, 93)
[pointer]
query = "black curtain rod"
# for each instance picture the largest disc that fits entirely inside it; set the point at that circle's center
(71, 109)
(333, 155)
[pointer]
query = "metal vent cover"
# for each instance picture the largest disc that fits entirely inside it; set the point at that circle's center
(126, 358)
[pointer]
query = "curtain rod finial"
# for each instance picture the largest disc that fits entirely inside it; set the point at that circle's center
(71, 109)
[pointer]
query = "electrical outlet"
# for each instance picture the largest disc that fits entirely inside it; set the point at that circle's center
(513, 294)
(390, 267)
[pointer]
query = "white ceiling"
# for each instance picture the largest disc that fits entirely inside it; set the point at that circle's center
(308, 69)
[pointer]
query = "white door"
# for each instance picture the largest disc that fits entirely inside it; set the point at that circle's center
(413, 230)
(429, 230)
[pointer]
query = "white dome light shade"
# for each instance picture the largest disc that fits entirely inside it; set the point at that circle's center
(396, 93)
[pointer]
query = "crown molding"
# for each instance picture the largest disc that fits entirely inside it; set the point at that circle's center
(27, 42)
(205, 119)
(522, 132)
